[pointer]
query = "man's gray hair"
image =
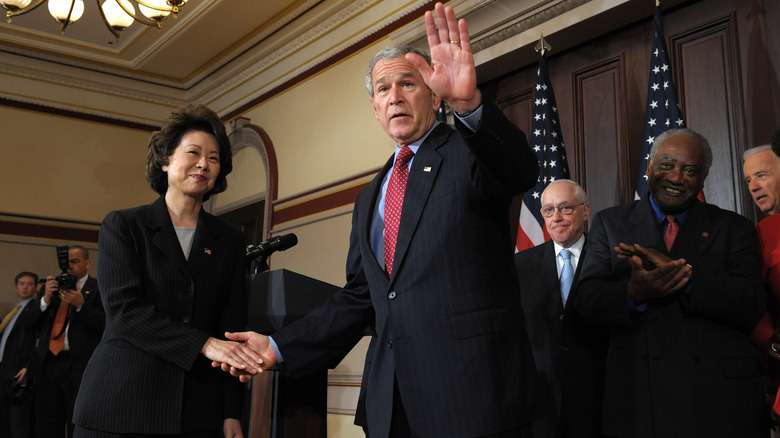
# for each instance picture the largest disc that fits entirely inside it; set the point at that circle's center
(579, 192)
(690, 134)
(757, 150)
(391, 52)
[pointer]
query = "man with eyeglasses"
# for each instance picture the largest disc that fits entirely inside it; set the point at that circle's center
(677, 282)
(569, 353)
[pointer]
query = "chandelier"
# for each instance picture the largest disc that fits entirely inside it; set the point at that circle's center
(117, 15)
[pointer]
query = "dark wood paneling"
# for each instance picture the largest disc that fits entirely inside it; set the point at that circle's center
(599, 107)
(709, 92)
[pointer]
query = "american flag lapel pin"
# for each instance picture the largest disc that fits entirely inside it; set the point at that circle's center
(207, 251)
(427, 169)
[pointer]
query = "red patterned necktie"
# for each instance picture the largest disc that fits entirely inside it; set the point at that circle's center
(671, 231)
(394, 200)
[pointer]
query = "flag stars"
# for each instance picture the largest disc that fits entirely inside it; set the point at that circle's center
(535, 195)
(655, 87)
(651, 122)
(654, 104)
(537, 132)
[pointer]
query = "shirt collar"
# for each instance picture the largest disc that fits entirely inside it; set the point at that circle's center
(660, 214)
(416, 144)
(575, 249)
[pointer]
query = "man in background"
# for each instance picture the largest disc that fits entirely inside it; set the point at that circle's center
(16, 344)
(569, 353)
(677, 282)
(69, 326)
(762, 175)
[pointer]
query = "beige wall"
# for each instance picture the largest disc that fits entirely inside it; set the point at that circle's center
(324, 129)
(66, 168)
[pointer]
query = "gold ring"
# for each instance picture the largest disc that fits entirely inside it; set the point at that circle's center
(454, 42)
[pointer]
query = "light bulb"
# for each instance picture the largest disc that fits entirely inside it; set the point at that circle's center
(59, 9)
(117, 18)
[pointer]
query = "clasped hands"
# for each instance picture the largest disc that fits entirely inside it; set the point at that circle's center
(244, 355)
(653, 274)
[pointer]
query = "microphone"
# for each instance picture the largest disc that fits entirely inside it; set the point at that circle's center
(278, 243)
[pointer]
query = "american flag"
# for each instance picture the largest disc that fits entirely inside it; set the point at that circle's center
(547, 142)
(662, 111)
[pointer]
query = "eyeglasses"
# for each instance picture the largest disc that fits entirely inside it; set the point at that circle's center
(566, 209)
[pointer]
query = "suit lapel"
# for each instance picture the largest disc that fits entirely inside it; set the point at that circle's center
(159, 221)
(422, 175)
(696, 234)
(549, 275)
(642, 217)
(204, 243)
(365, 210)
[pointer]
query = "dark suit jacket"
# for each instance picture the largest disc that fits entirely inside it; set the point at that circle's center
(448, 322)
(684, 367)
(19, 345)
(569, 352)
(85, 327)
(147, 375)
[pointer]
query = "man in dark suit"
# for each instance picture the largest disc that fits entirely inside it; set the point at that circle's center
(16, 343)
(450, 356)
(677, 282)
(69, 324)
(569, 353)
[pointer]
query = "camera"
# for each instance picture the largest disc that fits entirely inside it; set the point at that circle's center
(65, 280)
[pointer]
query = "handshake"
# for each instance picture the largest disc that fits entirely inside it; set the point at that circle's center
(243, 355)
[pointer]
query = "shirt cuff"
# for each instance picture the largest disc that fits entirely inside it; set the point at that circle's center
(472, 120)
(279, 358)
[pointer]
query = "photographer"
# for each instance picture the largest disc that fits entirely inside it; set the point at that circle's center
(69, 326)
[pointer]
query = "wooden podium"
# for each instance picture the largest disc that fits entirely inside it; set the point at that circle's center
(283, 407)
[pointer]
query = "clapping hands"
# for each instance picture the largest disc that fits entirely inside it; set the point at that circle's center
(653, 274)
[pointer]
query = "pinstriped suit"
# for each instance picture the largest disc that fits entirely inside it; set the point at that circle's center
(448, 322)
(147, 374)
(569, 353)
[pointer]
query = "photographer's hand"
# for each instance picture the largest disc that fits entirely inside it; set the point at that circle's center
(51, 287)
(72, 297)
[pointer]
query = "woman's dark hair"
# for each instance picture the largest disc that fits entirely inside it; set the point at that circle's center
(163, 142)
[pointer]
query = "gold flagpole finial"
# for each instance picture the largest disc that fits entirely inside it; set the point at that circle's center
(657, 3)
(542, 46)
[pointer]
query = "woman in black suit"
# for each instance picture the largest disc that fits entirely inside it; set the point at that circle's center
(172, 280)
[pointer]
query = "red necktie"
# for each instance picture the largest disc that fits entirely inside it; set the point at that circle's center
(57, 339)
(671, 231)
(394, 200)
